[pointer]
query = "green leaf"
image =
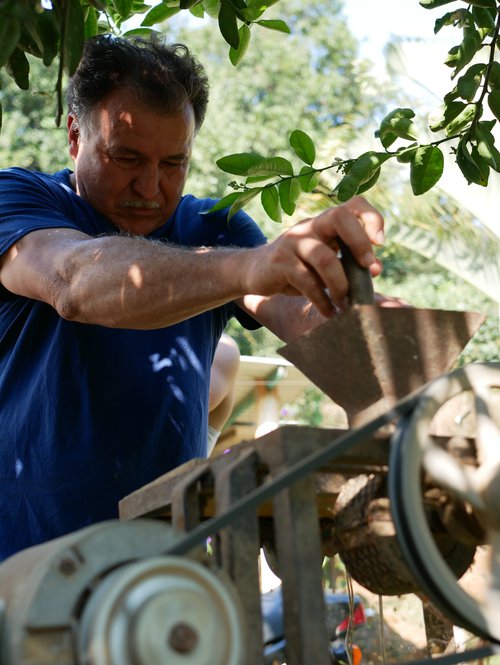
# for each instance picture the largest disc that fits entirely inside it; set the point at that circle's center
(461, 55)
(225, 202)
(462, 120)
(239, 163)
(468, 166)
(494, 75)
(363, 168)
(236, 55)
(441, 118)
(431, 4)
(308, 178)
(397, 124)
(74, 35)
(18, 68)
(449, 18)
(426, 168)
(242, 200)
(485, 143)
(228, 24)
(272, 166)
(483, 3)
(1, 114)
(364, 187)
(468, 84)
(484, 19)
(187, 4)
(361, 175)
(48, 30)
(289, 191)
(270, 200)
(405, 155)
(123, 7)
(10, 33)
(159, 14)
(197, 10)
(346, 189)
(278, 25)
(141, 32)
(303, 146)
(212, 7)
(91, 23)
(494, 102)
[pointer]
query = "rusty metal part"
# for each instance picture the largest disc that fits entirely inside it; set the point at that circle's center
(365, 536)
(107, 595)
(368, 357)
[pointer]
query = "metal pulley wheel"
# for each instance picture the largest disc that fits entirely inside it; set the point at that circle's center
(473, 395)
(162, 610)
(109, 595)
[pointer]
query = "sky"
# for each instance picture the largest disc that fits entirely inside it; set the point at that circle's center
(374, 22)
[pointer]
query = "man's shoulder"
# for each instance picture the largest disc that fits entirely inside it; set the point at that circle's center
(16, 176)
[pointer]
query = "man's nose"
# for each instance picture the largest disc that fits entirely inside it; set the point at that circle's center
(147, 181)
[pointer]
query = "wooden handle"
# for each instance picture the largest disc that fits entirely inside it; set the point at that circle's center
(360, 280)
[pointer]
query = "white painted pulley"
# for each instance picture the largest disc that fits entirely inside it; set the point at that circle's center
(158, 611)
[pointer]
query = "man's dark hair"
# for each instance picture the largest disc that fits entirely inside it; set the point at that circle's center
(164, 77)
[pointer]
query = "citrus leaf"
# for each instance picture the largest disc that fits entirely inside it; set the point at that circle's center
(123, 7)
(431, 4)
(441, 117)
(468, 84)
(368, 184)
(159, 14)
(270, 200)
(289, 191)
(468, 166)
(463, 120)
(426, 168)
(308, 178)
(303, 146)
(494, 102)
(494, 75)
(236, 55)
(225, 202)
(397, 124)
(10, 32)
(449, 19)
(346, 189)
(278, 25)
(272, 166)
(74, 34)
(18, 68)
(242, 200)
(485, 143)
(228, 24)
(239, 163)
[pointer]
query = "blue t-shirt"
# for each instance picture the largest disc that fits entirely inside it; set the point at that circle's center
(88, 413)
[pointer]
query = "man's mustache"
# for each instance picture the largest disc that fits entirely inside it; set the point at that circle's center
(148, 205)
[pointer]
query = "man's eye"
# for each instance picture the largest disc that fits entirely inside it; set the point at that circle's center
(126, 160)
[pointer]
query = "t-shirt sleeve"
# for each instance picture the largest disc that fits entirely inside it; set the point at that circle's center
(28, 202)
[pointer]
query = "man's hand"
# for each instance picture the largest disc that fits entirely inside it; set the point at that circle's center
(304, 261)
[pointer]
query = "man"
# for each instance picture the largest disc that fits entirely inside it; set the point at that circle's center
(115, 289)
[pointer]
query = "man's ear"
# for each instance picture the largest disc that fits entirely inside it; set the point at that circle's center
(73, 135)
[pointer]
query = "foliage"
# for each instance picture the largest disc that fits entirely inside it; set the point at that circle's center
(461, 121)
(55, 31)
(250, 105)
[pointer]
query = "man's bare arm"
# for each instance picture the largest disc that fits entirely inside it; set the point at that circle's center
(132, 282)
(119, 281)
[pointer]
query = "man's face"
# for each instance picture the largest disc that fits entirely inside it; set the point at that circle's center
(131, 164)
